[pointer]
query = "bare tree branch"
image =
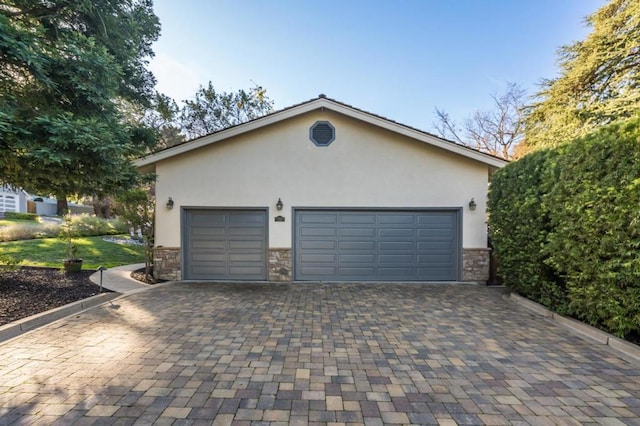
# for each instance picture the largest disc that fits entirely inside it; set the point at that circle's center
(496, 132)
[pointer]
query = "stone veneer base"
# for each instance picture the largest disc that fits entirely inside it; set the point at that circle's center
(167, 263)
(475, 264)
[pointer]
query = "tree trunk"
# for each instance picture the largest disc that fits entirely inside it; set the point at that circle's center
(62, 205)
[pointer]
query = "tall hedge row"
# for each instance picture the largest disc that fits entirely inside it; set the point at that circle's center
(565, 227)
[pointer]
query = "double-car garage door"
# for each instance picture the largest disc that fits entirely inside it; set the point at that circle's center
(329, 245)
(376, 245)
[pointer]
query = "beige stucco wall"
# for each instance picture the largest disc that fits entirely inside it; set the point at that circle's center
(364, 167)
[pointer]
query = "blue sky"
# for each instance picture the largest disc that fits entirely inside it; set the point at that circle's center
(399, 59)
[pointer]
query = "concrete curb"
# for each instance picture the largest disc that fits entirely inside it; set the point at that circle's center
(628, 350)
(14, 329)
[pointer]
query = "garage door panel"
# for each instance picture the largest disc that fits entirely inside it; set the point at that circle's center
(245, 272)
(356, 272)
(396, 245)
(376, 245)
(246, 219)
(204, 257)
(399, 233)
(396, 258)
(246, 245)
(396, 219)
(318, 245)
(318, 272)
(319, 218)
(203, 245)
(436, 219)
(433, 245)
(357, 232)
(396, 273)
(245, 232)
(225, 244)
(437, 234)
(203, 232)
(208, 269)
(357, 245)
(319, 232)
(441, 259)
(245, 257)
(356, 258)
(206, 220)
(355, 219)
(318, 258)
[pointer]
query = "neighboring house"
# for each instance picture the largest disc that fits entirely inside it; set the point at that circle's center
(13, 200)
(321, 191)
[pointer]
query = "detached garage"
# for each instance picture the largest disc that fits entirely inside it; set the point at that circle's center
(321, 191)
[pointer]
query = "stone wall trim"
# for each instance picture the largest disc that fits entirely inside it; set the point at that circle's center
(476, 264)
(280, 266)
(167, 263)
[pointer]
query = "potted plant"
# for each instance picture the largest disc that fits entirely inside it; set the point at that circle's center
(72, 263)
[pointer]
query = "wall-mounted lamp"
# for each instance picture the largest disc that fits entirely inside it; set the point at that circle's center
(170, 203)
(279, 204)
(472, 204)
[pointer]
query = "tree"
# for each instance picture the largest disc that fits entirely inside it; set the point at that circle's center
(211, 111)
(599, 80)
(137, 208)
(65, 68)
(496, 132)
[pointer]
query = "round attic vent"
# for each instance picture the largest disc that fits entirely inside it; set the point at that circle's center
(322, 133)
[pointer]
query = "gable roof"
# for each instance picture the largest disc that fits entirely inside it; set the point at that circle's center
(322, 102)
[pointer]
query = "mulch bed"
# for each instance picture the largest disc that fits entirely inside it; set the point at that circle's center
(140, 276)
(28, 291)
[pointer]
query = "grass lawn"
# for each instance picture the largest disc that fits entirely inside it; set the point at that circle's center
(11, 222)
(94, 251)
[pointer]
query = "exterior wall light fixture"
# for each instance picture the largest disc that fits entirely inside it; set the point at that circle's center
(279, 204)
(472, 204)
(170, 203)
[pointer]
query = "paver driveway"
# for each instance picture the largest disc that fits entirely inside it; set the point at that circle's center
(314, 353)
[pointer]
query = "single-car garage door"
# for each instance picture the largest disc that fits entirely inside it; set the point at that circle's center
(225, 244)
(358, 245)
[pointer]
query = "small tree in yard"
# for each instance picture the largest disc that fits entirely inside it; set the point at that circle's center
(137, 208)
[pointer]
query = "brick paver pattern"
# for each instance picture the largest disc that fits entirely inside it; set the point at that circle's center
(257, 354)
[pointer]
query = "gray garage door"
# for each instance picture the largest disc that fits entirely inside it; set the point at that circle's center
(225, 244)
(377, 245)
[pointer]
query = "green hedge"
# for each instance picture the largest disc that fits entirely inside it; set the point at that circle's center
(21, 216)
(565, 226)
(519, 229)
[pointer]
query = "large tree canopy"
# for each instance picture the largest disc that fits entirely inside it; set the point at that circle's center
(66, 68)
(599, 82)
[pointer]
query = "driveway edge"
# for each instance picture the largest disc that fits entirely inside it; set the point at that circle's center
(629, 351)
(16, 328)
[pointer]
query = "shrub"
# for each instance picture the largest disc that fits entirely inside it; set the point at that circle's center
(593, 194)
(89, 226)
(27, 232)
(21, 216)
(519, 227)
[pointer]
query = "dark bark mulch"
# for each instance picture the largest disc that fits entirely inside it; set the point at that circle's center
(140, 276)
(29, 290)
